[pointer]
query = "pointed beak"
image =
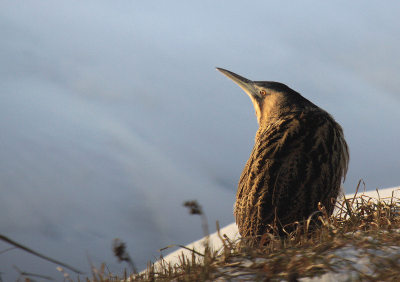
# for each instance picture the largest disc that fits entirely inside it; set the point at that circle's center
(246, 84)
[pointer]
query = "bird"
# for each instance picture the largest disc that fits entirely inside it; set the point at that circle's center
(299, 160)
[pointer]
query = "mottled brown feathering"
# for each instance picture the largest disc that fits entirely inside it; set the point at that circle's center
(299, 158)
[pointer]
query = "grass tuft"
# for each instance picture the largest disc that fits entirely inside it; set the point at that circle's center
(361, 240)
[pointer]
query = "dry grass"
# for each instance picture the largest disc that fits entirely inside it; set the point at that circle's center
(361, 229)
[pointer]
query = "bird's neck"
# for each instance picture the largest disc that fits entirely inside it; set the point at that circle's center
(265, 126)
(277, 117)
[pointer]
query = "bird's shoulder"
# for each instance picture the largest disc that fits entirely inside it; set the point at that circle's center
(302, 132)
(293, 134)
(292, 123)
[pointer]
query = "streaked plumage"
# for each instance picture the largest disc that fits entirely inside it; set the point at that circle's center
(299, 159)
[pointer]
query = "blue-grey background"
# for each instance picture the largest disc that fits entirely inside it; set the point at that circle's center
(112, 113)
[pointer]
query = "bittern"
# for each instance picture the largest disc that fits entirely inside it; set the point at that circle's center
(299, 159)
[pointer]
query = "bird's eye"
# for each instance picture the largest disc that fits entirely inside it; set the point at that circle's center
(263, 92)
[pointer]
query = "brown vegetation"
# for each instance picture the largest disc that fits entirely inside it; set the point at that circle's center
(363, 229)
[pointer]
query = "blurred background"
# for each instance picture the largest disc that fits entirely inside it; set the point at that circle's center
(112, 113)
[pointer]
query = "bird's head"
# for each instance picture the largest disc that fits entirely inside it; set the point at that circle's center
(270, 99)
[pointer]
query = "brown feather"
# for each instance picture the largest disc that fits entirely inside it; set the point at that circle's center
(299, 159)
